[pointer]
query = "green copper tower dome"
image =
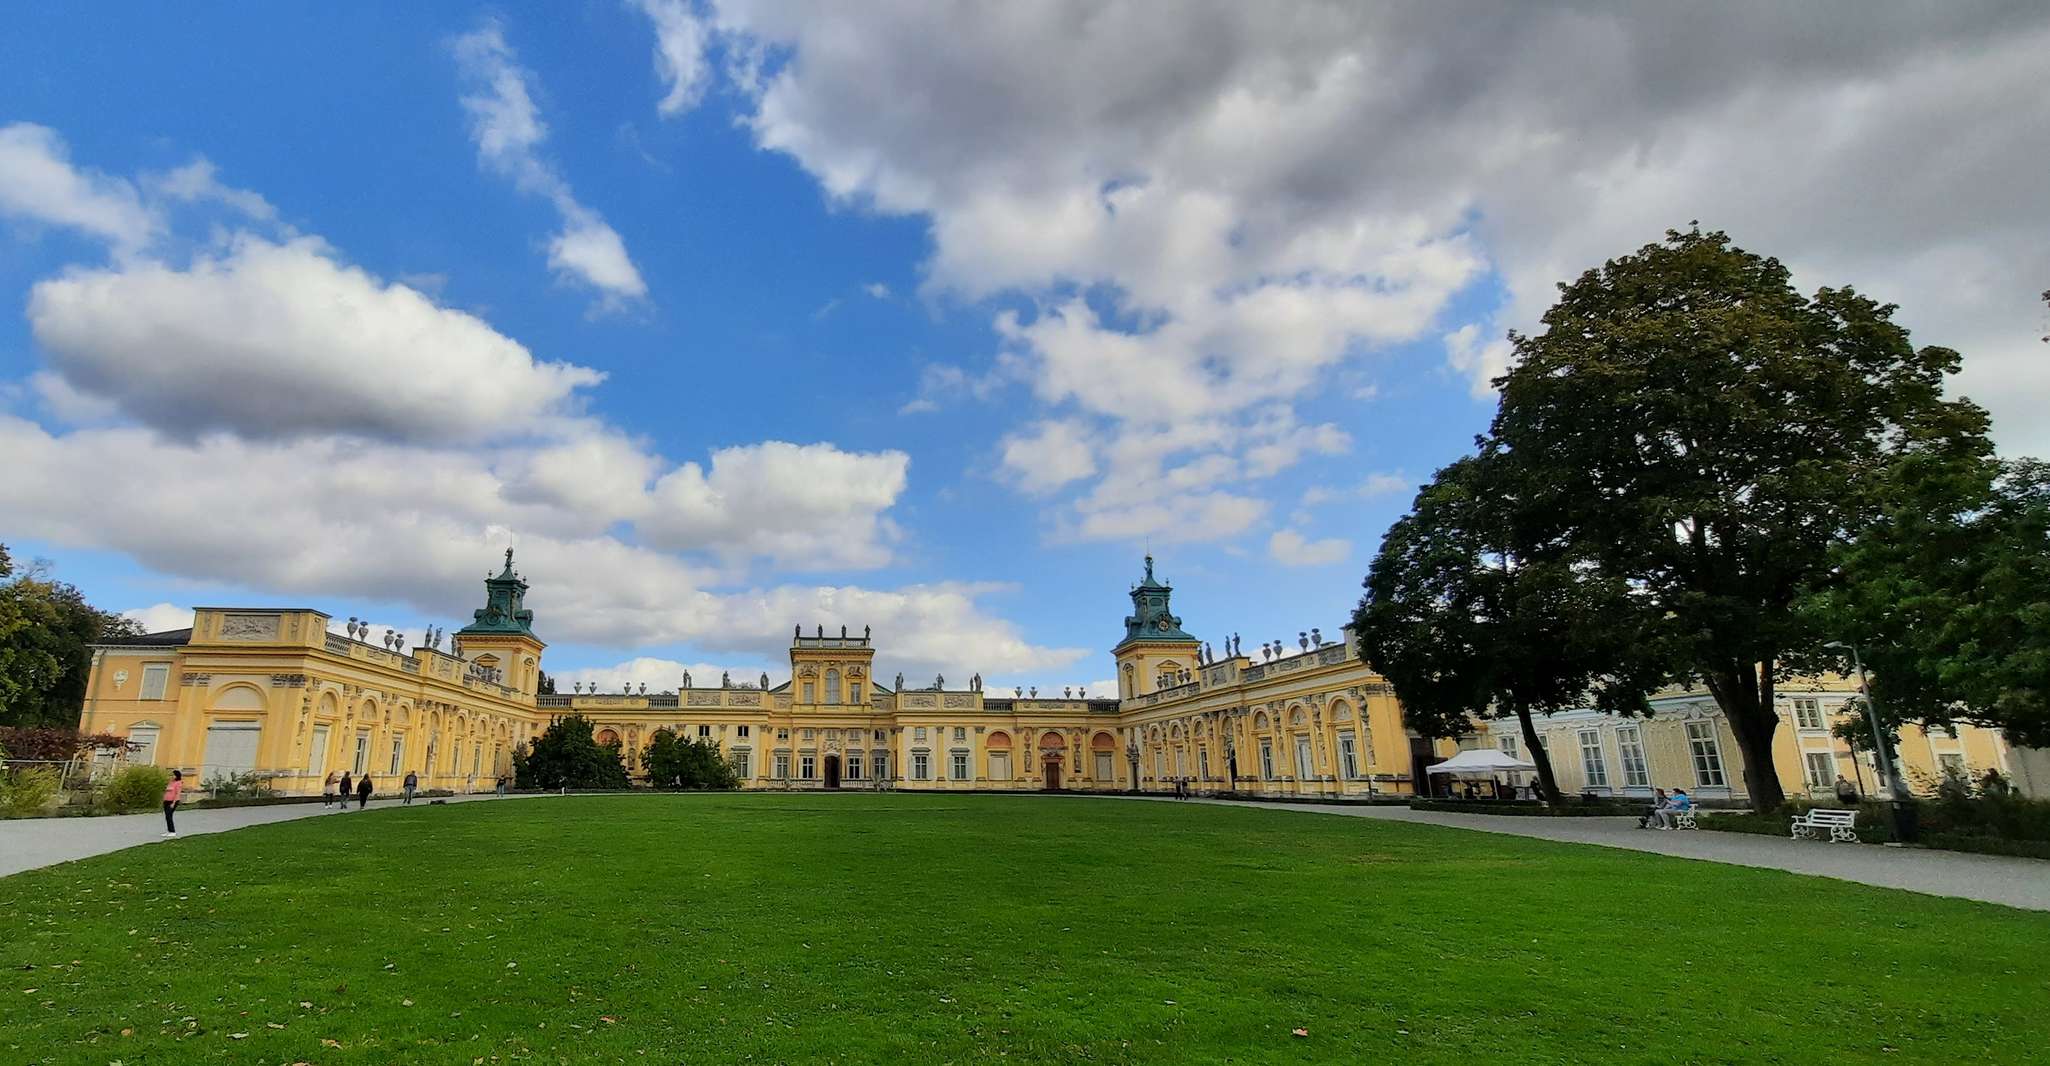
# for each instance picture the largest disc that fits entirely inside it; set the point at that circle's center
(504, 609)
(1151, 618)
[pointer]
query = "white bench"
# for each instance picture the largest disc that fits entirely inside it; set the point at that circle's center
(1685, 819)
(1841, 824)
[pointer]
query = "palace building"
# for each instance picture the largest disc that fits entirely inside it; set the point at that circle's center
(274, 692)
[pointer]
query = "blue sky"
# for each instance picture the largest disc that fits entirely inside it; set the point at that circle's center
(934, 318)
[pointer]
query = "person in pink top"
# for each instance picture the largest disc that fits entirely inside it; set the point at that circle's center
(172, 792)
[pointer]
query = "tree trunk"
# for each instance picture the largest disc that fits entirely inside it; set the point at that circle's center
(1746, 699)
(1546, 782)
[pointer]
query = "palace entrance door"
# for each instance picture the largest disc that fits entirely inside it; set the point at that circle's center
(1053, 773)
(832, 771)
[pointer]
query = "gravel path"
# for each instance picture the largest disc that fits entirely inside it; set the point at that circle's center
(26, 844)
(2016, 882)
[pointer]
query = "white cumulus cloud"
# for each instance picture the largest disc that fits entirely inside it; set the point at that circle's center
(1290, 548)
(508, 130)
(279, 340)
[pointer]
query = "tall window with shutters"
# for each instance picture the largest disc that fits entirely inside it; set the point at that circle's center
(155, 678)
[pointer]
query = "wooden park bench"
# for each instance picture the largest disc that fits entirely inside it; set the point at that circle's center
(1841, 824)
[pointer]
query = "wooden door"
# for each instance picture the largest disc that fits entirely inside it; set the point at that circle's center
(1053, 775)
(832, 771)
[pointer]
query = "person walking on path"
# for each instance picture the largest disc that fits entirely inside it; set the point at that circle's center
(501, 785)
(327, 790)
(412, 782)
(173, 792)
(347, 783)
(362, 793)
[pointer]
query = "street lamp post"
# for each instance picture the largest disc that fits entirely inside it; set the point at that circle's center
(1904, 828)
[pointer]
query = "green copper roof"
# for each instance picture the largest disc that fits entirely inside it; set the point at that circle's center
(503, 610)
(1150, 618)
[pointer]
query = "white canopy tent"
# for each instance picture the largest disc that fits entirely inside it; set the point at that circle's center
(1483, 761)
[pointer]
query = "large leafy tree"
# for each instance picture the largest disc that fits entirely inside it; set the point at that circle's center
(1688, 423)
(1948, 596)
(673, 762)
(46, 629)
(567, 755)
(1466, 623)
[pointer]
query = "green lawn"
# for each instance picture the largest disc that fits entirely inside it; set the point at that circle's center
(863, 928)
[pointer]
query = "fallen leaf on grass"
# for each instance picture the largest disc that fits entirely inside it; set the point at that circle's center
(1300, 1032)
(607, 1019)
(327, 1042)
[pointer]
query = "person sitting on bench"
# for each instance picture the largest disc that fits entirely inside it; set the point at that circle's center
(1651, 813)
(1679, 802)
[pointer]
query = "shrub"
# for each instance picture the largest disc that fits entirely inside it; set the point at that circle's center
(27, 792)
(51, 744)
(238, 786)
(135, 788)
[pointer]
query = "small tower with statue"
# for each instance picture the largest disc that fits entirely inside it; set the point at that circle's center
(500, 641)
(1156, 652)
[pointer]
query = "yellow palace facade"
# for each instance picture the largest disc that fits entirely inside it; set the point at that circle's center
(275, 693)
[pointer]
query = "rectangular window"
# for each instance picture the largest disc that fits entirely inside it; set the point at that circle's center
(316, 752)
(808, 766)
(1103, 767)
(921, 766)
(1304, 770)
(1203, 762)
(810, 733)
(230, 749)
(144, 740)
(742, 731)
(1630, 745)
(1000, 765)
(155, 677)
(1952, 764)
(742, 761)
(877, 736)
(362, 760)
(1808, 713)
(1708, 754)
(1267, 758)
(1160, 764)
(1508, 745)
(918, 735)
(879, 765)
(477, 759)
(1821, 768)
(398, 754)
(960, 770)
(704, 732)
(782, 766)
(782, 734)
(854, 692)
(960, 734)
(1348, 756)
(853, 766)
(1593, 767)
(809, 690)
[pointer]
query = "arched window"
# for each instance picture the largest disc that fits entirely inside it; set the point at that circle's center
(832, 686)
